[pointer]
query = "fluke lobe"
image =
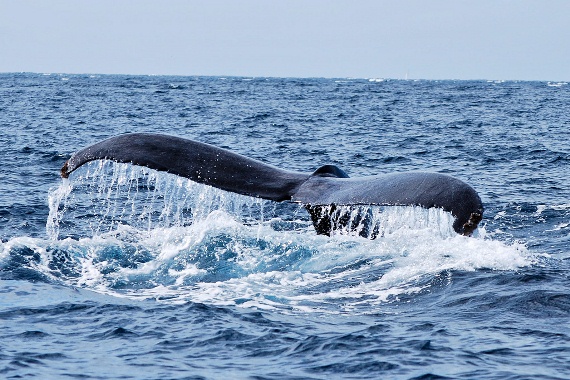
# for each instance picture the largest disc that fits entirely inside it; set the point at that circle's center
(323, 193)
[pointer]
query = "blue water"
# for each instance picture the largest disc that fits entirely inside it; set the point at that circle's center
(125, 273)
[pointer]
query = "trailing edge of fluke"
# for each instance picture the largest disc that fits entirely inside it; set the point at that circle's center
(322, 192)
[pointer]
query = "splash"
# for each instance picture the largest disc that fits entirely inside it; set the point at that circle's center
(133, 232)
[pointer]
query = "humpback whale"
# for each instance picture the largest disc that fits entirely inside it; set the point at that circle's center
(324, 193)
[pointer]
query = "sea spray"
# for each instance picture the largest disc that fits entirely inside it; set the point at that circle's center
(155, 235)
(56, 203)
(108, 194)
(222, 261)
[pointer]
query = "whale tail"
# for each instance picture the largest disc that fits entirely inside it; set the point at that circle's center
(322, 192)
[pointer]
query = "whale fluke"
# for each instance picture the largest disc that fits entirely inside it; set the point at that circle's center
(327, 186)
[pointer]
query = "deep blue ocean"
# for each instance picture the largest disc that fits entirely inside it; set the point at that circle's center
(121, 272)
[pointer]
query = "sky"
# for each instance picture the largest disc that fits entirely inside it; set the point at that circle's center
(397, 39)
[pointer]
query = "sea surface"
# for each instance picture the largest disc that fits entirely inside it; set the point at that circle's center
(121, 272)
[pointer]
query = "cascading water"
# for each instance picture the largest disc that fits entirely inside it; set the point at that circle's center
(112, 195)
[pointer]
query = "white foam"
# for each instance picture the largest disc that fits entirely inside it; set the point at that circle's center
(331, 279)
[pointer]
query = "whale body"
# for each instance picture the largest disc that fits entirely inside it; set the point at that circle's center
(323, 192)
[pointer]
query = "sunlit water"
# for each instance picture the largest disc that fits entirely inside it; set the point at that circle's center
(160, 277)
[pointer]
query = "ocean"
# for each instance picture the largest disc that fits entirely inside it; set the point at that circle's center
(122, 272)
